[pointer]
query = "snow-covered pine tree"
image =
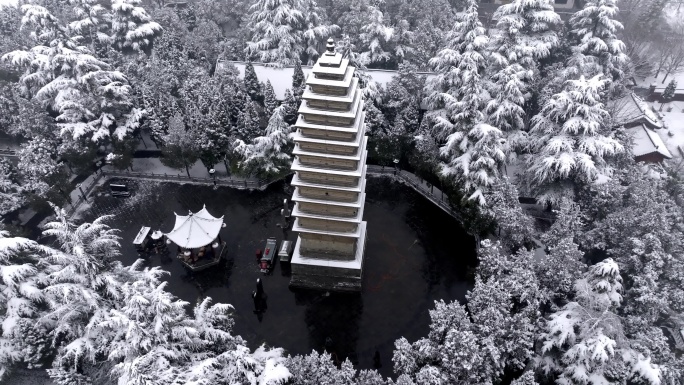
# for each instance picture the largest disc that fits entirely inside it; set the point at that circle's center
(132, 28)
(316, 31)
(456, 94)
(270, 100)
(248, 127)
(482, 156)
(515, 228)
(583, 341)
(426, 156)
(315, 368)
(569, 141)
(85, 283)
(22, 277)
(598, 49)
(375, 37)
(298, 82)
(277, 31)
(525, 34)
(267, 153)
(180, 149)
(505, 110)
(11, 191)
(290, 107)
(451, 354)
(668, 93)
(39, 168)
(92, 101)
(252, 84)
(403, 40)
(27, 118)
(473, 149)
(92, 22)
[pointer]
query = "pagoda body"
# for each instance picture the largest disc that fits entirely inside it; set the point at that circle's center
(330, 178)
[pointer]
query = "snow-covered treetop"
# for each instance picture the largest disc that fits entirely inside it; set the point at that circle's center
(525, 32)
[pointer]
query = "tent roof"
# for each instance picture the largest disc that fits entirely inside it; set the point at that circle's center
(195, 230)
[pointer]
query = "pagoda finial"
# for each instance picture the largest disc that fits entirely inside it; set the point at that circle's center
(330, 47)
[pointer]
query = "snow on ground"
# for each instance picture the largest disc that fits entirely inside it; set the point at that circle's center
(658, 82)
(8, 2)
(673, 134)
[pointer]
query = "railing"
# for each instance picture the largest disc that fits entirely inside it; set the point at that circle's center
(239, 183)
(8, 152)
(440, 199)
(86, 189)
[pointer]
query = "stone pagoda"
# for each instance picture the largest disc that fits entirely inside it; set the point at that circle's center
(330, 178)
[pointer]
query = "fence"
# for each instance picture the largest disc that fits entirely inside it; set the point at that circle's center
(239, 183)
(84, 190)
(439, 198)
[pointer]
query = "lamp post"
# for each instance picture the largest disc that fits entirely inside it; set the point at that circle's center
(212, 173)
(396, 165)
(82, 193)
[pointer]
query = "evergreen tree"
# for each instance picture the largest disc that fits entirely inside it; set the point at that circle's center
(180, 145)
(11, 191)
(668, 93)
(92, 101)
(473, 150)
(252, 85)
(457, 89)
(482, 156)
(270, 100)
(92, 22)
(515, 228)
(316, 32)
(505, 110)
(247, 127)
(598, 50)
(570, 142)
(23, 341)
(526, 34)
(298, 82)
(277, 31)
(375, 37)
(290, 108)
(267, 153)
(582, 342)
(42, 173)
(132, 28)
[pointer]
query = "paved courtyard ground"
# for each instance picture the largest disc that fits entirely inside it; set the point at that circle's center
(415, 255)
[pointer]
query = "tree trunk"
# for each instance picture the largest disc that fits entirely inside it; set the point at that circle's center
(187, 169)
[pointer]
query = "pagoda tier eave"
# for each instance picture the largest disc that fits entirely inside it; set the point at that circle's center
(300, 229)
(298, 137)
(312, 80)
(298, 151)
(296, 212)
(304, 109)
(356, 263)
(358, 122)
(349, 98)
(297, 182)
(360, 169)
(296, 197)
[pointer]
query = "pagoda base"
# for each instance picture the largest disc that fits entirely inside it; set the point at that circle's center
(329, 274)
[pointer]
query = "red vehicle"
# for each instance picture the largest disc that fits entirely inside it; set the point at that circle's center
(269, 255)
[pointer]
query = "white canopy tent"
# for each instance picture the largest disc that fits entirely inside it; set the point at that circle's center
(195, 229)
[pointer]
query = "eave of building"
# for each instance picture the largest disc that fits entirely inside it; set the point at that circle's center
(297, 227)
(296, 212)
(356, 127)
(298, 182)
(298, 151)
(312, 80)
(356, 263)
(310, 95)
(305, 109)
(337, 70)
(297, 197)
(298, 137)
(297, 166)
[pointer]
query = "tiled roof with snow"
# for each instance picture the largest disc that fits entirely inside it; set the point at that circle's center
(631, 109)
(647, 141)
